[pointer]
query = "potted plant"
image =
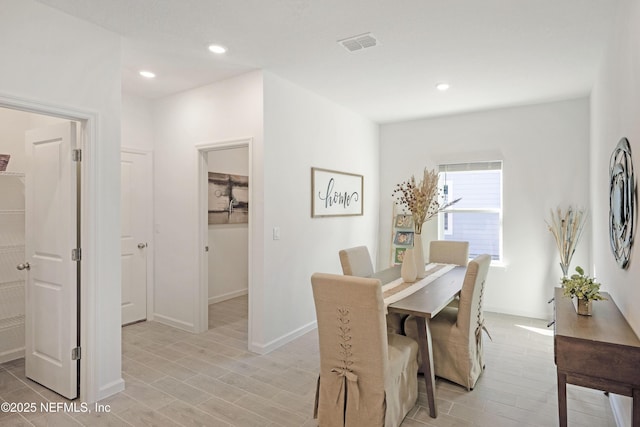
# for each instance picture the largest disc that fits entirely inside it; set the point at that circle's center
(583, 288)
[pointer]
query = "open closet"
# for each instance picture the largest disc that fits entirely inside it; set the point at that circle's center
(12, 253)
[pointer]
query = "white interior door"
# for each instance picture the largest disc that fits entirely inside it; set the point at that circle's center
(51, 233)
(135, 206)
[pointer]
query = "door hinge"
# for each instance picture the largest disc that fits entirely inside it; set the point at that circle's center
(75, 353)
(76, 254)
(76, 155)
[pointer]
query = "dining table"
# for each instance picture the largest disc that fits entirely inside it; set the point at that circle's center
(423, 299)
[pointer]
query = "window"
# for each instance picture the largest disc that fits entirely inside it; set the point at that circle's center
(477, 217)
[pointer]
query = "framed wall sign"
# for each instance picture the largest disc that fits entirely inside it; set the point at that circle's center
(336, 193)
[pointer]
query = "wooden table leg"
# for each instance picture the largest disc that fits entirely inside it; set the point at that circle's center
(562, 399)
(635, 413)
(424, 342)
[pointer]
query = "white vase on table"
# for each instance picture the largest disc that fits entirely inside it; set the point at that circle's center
(418, 254)
(408, 271)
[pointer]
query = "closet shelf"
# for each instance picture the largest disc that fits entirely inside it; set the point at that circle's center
(11, 322)
(18, 174)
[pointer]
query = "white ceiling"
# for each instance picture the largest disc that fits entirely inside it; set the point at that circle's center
(494, 53)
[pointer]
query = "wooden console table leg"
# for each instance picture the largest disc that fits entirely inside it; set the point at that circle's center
(635, 413)
(562, 399)
(424, 341)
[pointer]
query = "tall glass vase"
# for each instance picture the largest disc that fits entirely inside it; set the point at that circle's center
(565, 269)
(418, 254)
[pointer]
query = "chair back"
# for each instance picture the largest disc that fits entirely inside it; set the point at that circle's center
(470, 316)
(449, 252)
(353, 350)
(356, 262)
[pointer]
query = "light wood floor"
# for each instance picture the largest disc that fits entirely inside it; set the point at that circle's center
(175, 378)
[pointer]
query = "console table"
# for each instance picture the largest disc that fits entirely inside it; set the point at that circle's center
(599, 351)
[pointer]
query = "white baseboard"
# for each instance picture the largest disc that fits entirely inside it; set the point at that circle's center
(621, 408)
(227, 296)
(14, 354)
(169, 321)
(531, 314)
(111, 389)
(270, 346)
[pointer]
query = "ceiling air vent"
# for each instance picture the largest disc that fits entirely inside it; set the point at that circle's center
(360, 42)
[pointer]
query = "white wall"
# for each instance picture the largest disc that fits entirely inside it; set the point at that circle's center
(228, 110)
(615, 113)
(137, 122)
(228, 243)
(303, 130)
(54, 59)
(545, 156)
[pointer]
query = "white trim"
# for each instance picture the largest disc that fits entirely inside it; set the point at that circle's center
(149, 231)
(12, 355)
(515, 312)
(175, 323)
(228, 296)
(284, 339)
(111, 389)
(201, 302)
(90, 122)
(135, 150)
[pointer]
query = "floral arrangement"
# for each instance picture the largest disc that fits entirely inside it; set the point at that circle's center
(420, 198)
(566, 228)
(581, 286)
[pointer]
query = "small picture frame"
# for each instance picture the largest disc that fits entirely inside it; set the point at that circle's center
(404, 221)
(399, 255)
(404, 238)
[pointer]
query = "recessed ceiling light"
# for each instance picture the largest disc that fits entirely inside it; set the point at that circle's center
(216, 48)
(442, 86)
(147, 74)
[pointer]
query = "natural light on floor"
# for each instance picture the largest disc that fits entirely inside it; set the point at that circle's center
(541, 331)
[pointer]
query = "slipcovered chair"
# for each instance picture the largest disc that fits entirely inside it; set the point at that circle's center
(367, 377)
(449, 252)
(456, 333)
(357, 262)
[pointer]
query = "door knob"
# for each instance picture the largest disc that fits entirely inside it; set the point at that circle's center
(142, 245)
(24, 266)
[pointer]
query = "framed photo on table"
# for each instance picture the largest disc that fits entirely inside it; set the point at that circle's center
(404, 221)
(404, 238)
(402, 234)
(399, 255)
(336, 193)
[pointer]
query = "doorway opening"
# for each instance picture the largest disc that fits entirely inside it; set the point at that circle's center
(224, 230)
(40, 238)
